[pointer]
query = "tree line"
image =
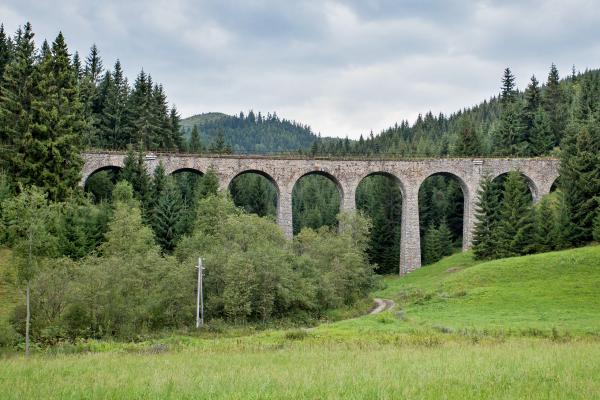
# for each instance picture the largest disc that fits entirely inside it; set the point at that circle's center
(527, 123)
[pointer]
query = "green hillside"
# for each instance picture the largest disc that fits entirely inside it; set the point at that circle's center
(250, 132)
(520, 296)
(201, 120)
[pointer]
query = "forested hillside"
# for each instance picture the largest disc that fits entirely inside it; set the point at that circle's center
(246, 133)
(529, 122)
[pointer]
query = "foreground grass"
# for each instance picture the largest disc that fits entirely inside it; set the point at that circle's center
(523, 368)
(524, 327)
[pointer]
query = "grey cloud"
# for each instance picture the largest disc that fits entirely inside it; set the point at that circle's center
(344, 67)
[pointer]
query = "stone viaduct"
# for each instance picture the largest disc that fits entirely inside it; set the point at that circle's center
(284, 172)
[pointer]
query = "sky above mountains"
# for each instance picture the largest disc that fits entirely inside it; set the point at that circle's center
(343, 67)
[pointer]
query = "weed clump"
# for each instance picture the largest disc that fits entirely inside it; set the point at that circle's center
(296, 334)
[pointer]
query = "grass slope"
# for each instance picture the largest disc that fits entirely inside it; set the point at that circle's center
(543, 291)
(548, 294)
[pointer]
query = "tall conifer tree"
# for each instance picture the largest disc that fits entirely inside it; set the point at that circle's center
(16, 95)
(516, 227)
(54, 157)
(545, 226)
(487, 216)
(5, 51)
(509, 138)
(580, 177)
(554, 105)
(167, 217)
(115, 118)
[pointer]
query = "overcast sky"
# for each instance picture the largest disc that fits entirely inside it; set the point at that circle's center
(343, 67)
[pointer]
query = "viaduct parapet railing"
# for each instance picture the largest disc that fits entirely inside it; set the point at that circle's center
(283, 172)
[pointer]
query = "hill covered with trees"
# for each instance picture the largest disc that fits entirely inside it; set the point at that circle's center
(246, 133)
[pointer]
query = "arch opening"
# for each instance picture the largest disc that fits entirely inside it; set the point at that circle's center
(100, 183)
(316, 201)
(379, 196)
(555, 185)
(256, 192)
(500, 180)
(442, 198)
(188, 182)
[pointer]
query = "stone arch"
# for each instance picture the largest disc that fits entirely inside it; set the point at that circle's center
(268, 177)
(258, 172)
(461, 180)
(186, 169)
(387, 174)
(466, 228)
(533, 187)
(329, 176)
(554, 184)
(87, 175)
(385, 200)
(105, 189)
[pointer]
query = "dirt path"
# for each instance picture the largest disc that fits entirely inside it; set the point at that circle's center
(382, 305)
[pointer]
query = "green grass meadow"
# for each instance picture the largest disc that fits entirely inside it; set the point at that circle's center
(519, 328)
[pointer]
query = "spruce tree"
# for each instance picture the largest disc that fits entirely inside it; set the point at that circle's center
(580, 177)
(134, 171)
(487, 216)
(5, 51)
(45, 51)
(161, 124)
(432, 250)
(545, 226)
(54, 159)
(167, 217)
(509, 138)
(195, 145)
(16, 95)
(159, 181)
(115, 118)
(564, 228)
(77, 67)
(140, 107)
(175, 129)
(219, 146)
(508, 92)
(209, 184)
(554, 105)
(531, 106)
(468, 143)
(93, 65)
(541, 136)
(517, 225)
(445, 239)
(596, 231)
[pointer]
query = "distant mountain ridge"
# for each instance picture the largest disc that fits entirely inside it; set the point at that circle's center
(251, 132)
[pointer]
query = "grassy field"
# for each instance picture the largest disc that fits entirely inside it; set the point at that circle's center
(526, 327)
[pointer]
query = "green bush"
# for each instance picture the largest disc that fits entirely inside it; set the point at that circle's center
(8, 336)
